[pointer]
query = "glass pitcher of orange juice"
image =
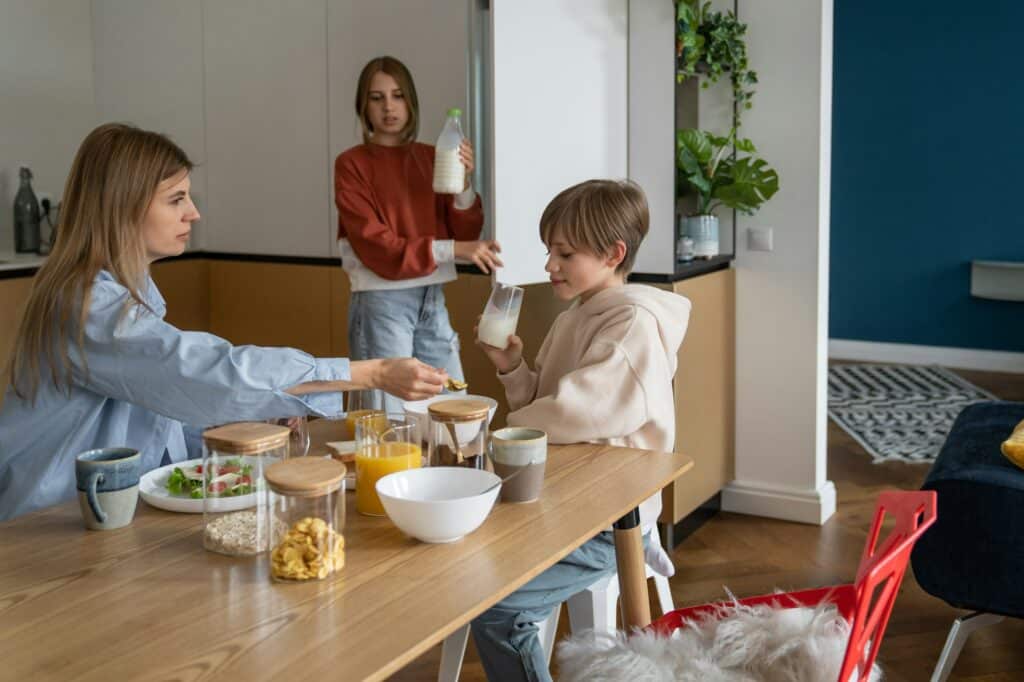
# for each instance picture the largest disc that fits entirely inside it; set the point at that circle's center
(385, 443)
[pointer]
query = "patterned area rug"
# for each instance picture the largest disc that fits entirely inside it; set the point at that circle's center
(899, 413)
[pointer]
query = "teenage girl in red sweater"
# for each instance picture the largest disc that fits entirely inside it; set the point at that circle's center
(398, 240)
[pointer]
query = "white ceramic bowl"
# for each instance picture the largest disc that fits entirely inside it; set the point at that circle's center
(417, 411)
(438, 504)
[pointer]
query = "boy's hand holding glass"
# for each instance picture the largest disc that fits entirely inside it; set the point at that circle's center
(503, 360)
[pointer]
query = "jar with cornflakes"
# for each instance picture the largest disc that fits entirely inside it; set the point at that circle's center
(306, 506)
(231, 483)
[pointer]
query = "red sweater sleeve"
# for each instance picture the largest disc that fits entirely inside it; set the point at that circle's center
(465, 225)
(379, 246)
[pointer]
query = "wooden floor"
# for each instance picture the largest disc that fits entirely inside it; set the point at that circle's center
(750, 555)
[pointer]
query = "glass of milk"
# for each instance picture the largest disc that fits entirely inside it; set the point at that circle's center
(501, 315)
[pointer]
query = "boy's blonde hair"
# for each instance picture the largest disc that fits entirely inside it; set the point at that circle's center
(595, 214)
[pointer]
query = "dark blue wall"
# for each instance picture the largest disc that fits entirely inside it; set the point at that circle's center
(927, 169)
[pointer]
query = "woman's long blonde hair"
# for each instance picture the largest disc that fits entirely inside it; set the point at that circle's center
(112, 182)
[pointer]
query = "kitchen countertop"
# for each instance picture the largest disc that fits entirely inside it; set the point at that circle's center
(26, 264)
(19, 264)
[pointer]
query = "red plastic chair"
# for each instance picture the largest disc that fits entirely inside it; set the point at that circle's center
(867, 603)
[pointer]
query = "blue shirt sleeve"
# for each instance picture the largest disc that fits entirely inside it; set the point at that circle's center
(132, 354)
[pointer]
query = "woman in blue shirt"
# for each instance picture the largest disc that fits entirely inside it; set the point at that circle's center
(94, 363)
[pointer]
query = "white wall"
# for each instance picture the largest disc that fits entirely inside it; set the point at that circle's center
(149, 72)
(46, 96)
(782, 296)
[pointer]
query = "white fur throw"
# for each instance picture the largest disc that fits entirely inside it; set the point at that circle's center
(738, 644)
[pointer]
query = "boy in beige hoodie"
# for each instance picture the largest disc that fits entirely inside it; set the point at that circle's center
(603, 375)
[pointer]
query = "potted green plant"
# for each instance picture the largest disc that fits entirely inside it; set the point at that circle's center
(708, 166)
(712, 43)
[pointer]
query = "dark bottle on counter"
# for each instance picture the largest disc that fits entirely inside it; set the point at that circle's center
(27, 216)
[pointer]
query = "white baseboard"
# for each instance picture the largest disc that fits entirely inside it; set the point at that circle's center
(778, 502)
(909, 354)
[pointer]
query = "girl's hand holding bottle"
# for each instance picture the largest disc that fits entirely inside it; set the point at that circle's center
(466, 156)
(503, 360)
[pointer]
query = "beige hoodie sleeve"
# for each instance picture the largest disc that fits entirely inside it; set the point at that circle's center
(521, 383)
(603, 398)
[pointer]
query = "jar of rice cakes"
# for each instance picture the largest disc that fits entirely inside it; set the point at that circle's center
(307, 512)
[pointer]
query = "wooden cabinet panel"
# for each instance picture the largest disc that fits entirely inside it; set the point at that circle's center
(340, 293)
(272, 304)
(705, 392)
(185, 285)
(13, 296)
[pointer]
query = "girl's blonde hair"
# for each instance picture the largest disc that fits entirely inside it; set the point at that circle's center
(403, 78)
(109, 189)
(595, 214)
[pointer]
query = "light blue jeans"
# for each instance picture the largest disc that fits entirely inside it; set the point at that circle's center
(402, 323)
(506, 634)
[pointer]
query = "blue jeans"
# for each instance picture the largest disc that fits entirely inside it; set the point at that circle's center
(401, 323)
(506, 634)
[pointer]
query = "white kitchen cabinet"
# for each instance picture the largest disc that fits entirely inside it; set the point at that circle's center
(148, 71)
(266, 126)
(555, 112)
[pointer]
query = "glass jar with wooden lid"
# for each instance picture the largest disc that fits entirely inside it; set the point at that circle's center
(458, 432)
(233, 488)
(306, 508)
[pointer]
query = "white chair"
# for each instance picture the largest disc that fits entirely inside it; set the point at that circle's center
(594, 608)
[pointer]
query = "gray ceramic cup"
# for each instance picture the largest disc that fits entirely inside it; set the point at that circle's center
(519, 455)
(108, 486)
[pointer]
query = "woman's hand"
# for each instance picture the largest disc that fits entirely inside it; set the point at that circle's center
(484, 253)
(466, 155)
(409, 378)
(504, 360)
(406, 378)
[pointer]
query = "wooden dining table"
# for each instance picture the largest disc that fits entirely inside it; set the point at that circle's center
(148, 602)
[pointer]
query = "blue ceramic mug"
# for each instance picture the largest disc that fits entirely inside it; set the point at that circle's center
(108, 486)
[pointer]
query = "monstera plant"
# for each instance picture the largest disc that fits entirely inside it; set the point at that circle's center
(712, 168)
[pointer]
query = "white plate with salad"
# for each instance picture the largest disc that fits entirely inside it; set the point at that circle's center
(178, 487)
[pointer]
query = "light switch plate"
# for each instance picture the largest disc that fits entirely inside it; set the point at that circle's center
(759, 239)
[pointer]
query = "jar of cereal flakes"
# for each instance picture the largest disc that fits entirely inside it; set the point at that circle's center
(306, 507)
(235, 456)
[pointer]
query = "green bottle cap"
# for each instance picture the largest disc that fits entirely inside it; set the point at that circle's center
(455, 112)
